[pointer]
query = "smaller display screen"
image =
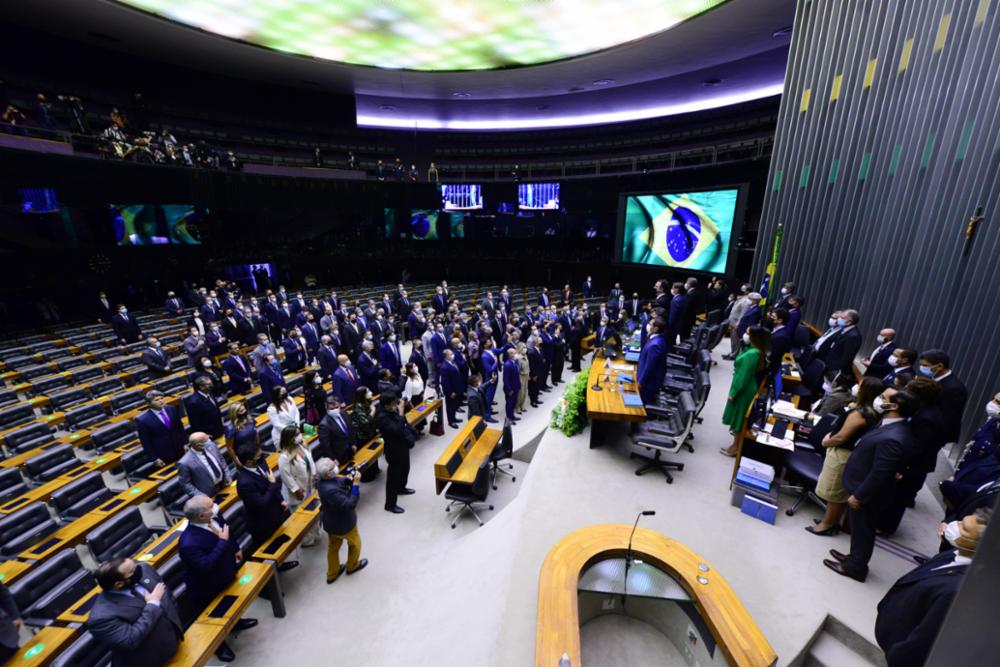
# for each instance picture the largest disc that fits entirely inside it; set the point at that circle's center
(544, 196)
(38, 200)
(457, 225)
(423, 224)
(156, 224)
(461, 197)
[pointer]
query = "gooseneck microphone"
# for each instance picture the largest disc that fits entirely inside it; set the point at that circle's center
(628, 552)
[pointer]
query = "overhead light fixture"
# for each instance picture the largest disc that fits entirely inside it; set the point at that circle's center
(386, 107)
(461, 93)
(604, 82)
(543, 107)
(712, 83)
(782, 32)
(576, 89)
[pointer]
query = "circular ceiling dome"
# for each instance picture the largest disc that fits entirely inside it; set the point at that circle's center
(431, 35)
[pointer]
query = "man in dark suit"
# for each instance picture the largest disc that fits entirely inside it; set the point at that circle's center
(368, 366)
(339, 498)
(661, 299)
(912, 612)
(438, 302)
(511, 384)
(155, 359)
(260, 492)
(536, 369)
(173, 305)
(201, 470)
(270, 376)
(696, 303)
(202, 411)
(104, 312)
(870, 475)
(337, 438)
(616, 296)
(877, 363)
(389, 356)
(135, 615)
(451, 387)
(237, 369)
(900, 361)
(418, 359)
(634, 305)
(543, 298)
(566, 296)
(677, 313)
(210, 560)
(844, 347)
(10, 624)
(588, 288)
(787, 291)
(160, 430)
(326, 356)
(345, 380)
(652, 362)
(126, 328)
(781, 339)
(505, 300)
(296, 352)
(936, 364)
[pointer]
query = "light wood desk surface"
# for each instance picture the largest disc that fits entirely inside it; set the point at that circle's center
(44, 647)
(606, 404)
(461, 459)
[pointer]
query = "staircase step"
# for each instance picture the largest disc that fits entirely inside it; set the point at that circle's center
(828, 651)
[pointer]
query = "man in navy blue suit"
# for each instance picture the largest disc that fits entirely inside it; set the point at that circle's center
(781, 339)
(210, 559)
(936, 364)
(678, 310)
(588, 288)
(160, 430)
(310, 334)
(877, 363)
(490, 364)
(752, 315)
(174, 306)
(260, 491)
(270, 376)
(345, 380)
(870, 477)
(511, 384)
(652, 362)
(389, 356)
(451, 387)
(913, 611)
(202, 411)
(326, 356)
(237, 369)
(844, 347)
(368, 366)
(126, 327)
(296, 352)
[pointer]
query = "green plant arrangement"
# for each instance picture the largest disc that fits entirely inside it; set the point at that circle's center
(570, 414)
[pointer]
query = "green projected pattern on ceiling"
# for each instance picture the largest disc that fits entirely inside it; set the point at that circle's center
(431, 35)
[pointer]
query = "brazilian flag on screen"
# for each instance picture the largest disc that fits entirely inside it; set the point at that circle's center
(689, 230)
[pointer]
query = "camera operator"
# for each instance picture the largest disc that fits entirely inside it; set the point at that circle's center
(339, 497)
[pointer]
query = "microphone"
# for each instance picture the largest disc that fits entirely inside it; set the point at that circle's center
(628, 552)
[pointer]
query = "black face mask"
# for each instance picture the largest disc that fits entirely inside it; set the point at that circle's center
(136, 577)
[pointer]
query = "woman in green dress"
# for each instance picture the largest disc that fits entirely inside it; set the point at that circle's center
(746, 378)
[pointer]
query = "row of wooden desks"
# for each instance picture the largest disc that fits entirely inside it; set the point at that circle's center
(461, 459)
(607, 382)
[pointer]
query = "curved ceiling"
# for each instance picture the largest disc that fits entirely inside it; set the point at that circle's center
(429, 34)
(733, 53)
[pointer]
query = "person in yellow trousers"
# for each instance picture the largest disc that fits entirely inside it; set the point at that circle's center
(339, 497)
(747, 369)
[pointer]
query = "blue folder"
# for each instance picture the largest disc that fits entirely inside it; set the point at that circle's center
(631, 400)
(631, 356)
(759, 509)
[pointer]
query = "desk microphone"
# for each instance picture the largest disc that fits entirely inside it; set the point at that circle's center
(628, 552)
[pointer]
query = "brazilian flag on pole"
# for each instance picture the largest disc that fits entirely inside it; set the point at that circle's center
(770, 275)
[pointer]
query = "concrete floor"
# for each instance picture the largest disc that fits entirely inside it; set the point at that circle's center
(440, 597)
(612, 641)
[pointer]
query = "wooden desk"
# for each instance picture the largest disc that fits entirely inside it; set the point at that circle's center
(44, 647)
(558, 627)
(608, 405)
(42, 493)
(203, 637)
(288, 537)
(12, 570)
(423, 411)
(461, 459)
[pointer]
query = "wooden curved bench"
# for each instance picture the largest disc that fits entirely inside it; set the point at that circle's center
(558, 621)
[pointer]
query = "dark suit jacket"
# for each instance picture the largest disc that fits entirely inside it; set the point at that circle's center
(295, 356)
(239, 376)
(345, 384)
(879, 364)
(781, 342)
(327, 358)
(156, 439)
(421, 362)
(335, 442)
(338, 505)
(511, 378)
(842, 351)
(912, 612)
(652, 367)
(750, 318)
(8, 613)
(475, 401)
(451, 380)
(174, 306)
(203, 415)
(210, 563)
(156, 361)
(263, 502)
(269, 379)
(126, 328)
(138, 634)
(880, 453)
(953, 398)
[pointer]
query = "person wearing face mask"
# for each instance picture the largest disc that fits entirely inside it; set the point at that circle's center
(838, 443)
(135, 616)
(104, 312)
(389, 356)
(740, 305)
(936, 364)
(398, 437)
(870, 475)
(747, 370)
(314, 397)
(346, 380)
(751, 317)
(652, 362)
(282, 412)
(241, 430)
(156, 360)
(207, 370)
(337, 438)
(368, 366)
(260, 490)
(900, 362)
(296, 351)
(980, 464)
(237, 369)
(838, 392)
(210, 559)
(270, 376)
(297, 471)
(877, 362)
(195, 347)
(125, 326)
(781, 339)
(339, 499)
(676, 317)
(822, 344)
(845, 345)
(202, 469)
(202, 410)
(913, 611)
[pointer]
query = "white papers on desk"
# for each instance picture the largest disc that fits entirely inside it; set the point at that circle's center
(620, 367)
(787, 410)
(767, 439)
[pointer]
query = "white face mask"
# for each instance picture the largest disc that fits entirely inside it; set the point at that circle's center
(878, 406)
(992, 410)
(893, 360)
(827, 387)
(335, 412)
(832, 321)
(317, 380)
(215, 510)
(206, 363)
(746, 339)
(392, 338)
(854, 391)
(784, 291)
(336, 470)
(880, 338)
(952, 533)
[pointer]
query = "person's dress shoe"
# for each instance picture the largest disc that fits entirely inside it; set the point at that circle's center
(839, 555)
(395, 509)
(490, 420)
(342, 568)
(839, 568)
(920, 560)
(829, 532)
(460, 410)
(245, 623)
(453, 425)
(361, 565)
(407, 492)
(224, 653)
(288, 565)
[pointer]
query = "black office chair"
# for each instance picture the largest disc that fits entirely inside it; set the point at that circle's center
(84, 652)
(71, 501)
(127, 400)
(66, 400)
(239, 530)
(503, 450)
(11, 484)
(666, 435)
(137, 466)
(23, 528)
(171, 384)
(29, 437)
(86, 415)
(51, 587)
(172, 497)
(50, 464)
(17, 414)
(805, 464)
(469, 495)
(121, 536)
(114, 435)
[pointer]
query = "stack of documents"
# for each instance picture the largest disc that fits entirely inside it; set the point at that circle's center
(755, 474)
(786, 409)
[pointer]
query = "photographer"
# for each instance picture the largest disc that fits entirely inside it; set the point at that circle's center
(339, 498)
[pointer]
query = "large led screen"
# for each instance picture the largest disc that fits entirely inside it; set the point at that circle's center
(429, 34)
(544, 196)
(684, 230)
(461, 196)
(423, 224)
(155, 224)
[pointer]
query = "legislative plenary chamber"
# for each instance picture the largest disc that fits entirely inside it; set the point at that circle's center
(499, 333)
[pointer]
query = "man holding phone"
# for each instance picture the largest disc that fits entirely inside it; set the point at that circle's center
(339, 497)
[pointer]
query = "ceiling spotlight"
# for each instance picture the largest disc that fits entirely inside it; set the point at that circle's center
(604, 82)
(543, 107)
(782, 32)
(711, 83)
(461, 93)
(386, 107)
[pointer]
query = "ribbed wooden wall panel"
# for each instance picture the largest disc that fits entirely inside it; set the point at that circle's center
(875, 182)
